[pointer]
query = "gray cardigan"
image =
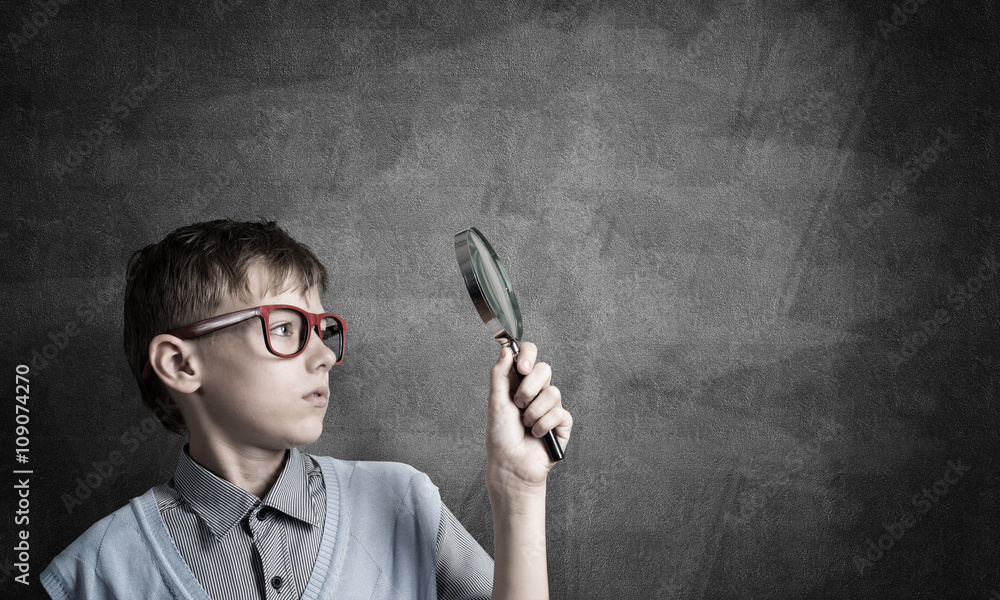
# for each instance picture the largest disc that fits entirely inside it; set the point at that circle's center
(379, 541)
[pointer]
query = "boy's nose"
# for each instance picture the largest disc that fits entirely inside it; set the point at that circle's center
(323, 355)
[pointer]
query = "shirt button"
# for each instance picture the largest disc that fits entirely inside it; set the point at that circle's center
(276, 582)
(261, 515)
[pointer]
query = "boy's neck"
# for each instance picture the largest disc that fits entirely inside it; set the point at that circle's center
(252, 470)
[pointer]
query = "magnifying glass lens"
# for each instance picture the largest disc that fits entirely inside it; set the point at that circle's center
(495, 286)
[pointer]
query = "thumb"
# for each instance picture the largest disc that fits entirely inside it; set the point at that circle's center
(500, 377)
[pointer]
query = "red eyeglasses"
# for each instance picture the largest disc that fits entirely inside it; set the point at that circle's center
(286, 330)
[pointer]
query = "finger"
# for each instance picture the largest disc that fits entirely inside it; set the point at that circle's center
(549, 398)
(558, 418)
(500, 377)
(533, 383)
(526, 357)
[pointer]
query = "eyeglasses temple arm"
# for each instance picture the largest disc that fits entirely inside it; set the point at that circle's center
(206, 326)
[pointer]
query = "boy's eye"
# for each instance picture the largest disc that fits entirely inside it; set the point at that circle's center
(287, 326)
(282, 329)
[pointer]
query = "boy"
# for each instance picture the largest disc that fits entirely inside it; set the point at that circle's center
(228, 340)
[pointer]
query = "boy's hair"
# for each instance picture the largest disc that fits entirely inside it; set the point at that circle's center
(185, 278)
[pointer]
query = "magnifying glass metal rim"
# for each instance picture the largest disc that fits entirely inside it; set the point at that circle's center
(464, 254)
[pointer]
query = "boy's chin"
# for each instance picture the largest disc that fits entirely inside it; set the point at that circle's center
(308, 435)
(302, 435)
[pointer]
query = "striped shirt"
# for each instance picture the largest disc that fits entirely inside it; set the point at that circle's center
(239, 546)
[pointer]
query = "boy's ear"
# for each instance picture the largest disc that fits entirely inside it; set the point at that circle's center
(173, 361)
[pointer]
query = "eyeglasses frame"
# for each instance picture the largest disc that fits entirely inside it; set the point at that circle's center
(213, 324)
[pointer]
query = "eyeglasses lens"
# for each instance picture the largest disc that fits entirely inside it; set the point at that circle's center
(333, 336)
(289, 329)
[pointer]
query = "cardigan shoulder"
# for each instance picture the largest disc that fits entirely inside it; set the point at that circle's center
(107, 559)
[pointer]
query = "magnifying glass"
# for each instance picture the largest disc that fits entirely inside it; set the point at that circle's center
(495, 302)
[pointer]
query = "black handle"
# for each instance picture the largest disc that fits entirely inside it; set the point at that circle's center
(551, 443)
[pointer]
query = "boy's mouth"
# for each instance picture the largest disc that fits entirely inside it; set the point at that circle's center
(318, 396)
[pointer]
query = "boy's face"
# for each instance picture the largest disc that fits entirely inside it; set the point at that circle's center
(251, 399)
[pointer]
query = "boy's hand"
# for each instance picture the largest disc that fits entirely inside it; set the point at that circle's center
(517, 461)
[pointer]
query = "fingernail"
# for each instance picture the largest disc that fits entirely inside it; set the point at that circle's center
(526, 365)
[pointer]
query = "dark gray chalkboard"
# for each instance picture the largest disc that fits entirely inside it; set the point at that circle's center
(756, 241)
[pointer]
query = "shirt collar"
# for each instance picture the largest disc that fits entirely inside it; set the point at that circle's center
(221, 505)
